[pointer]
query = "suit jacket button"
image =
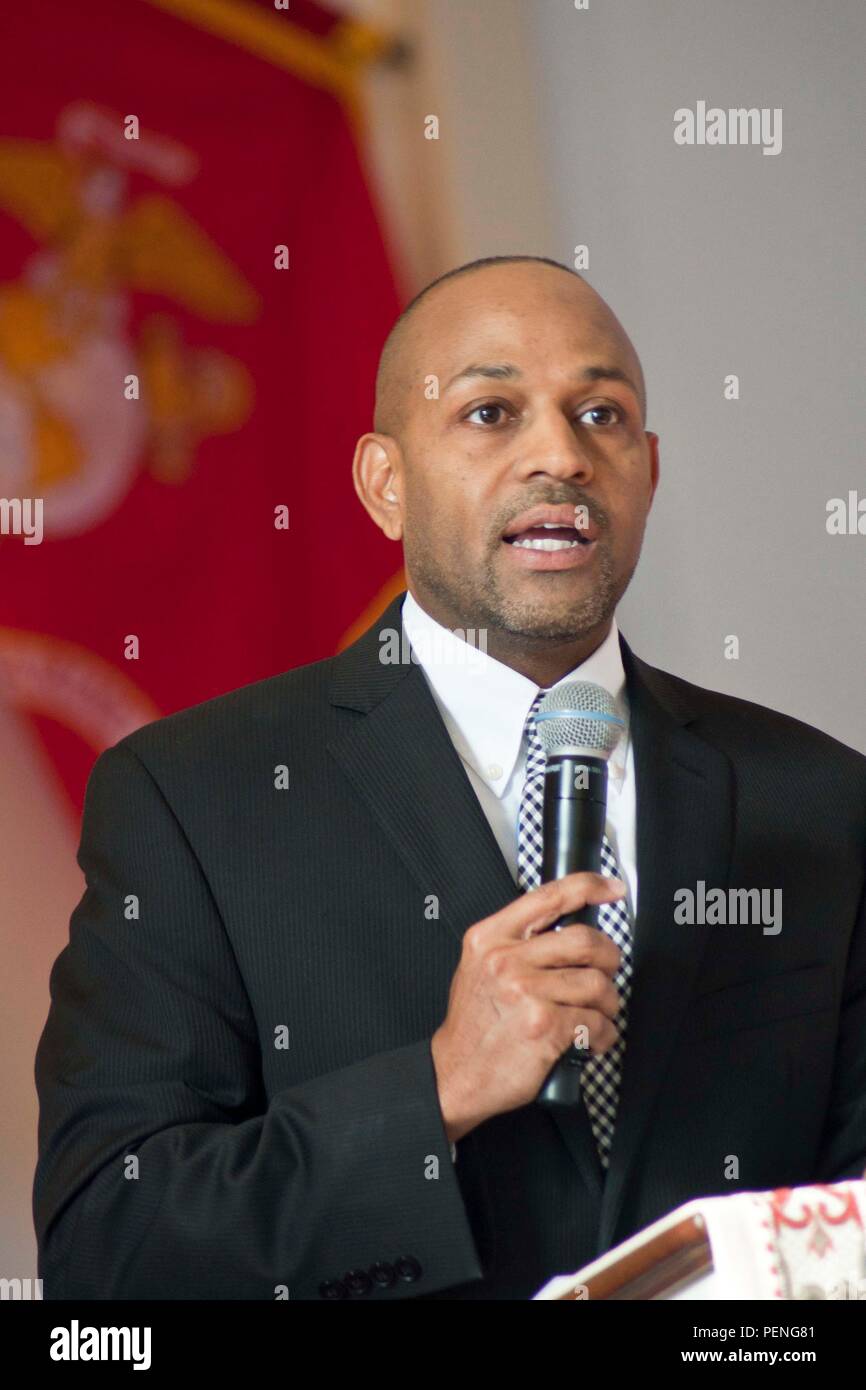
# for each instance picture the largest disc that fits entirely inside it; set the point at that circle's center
(382, 1274)
(333, 1288)
(358, 1281)
(408, 1268)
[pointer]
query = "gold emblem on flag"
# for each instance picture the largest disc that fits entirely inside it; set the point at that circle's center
(72, 429)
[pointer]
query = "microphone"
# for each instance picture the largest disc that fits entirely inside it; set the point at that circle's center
(579, 728)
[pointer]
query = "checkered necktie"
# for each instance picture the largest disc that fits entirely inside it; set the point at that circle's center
(600, 1074)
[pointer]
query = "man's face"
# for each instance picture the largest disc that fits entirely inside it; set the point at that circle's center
(553, 420)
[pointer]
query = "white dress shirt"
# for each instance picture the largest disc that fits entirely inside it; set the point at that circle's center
(484, 705)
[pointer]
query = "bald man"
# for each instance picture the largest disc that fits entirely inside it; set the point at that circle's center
(310, 1067)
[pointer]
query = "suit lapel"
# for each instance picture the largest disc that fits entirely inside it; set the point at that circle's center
(684, 833)
(402, 762)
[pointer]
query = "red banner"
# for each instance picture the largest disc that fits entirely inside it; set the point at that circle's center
(193, 293)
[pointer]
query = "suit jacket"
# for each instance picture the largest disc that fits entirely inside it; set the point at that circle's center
(236, 1084)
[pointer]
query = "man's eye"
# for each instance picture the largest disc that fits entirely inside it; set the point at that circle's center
(600, 415)
(489, 406)
(610, 413)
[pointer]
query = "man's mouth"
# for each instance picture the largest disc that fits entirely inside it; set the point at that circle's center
(547, 528)
(547, 538)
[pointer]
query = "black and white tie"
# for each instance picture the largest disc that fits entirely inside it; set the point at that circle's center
(600, 1075)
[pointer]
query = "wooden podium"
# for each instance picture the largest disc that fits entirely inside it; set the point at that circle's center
(790, 1243)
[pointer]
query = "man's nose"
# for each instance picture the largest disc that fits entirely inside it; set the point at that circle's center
(551, 447)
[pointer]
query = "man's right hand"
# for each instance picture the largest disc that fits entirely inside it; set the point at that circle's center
(518, 996)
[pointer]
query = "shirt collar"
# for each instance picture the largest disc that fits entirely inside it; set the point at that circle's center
(484, 703)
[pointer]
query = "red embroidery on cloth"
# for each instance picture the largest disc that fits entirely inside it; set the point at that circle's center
(815, 1214)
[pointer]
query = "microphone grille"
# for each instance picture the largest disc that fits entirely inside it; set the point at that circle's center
(579, 716)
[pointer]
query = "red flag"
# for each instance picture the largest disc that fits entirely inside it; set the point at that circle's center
(193, 293)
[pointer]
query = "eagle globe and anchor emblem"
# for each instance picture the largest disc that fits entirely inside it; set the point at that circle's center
(68, 432)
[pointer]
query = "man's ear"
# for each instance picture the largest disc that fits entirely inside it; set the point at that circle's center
(653, 442)
(377, 474)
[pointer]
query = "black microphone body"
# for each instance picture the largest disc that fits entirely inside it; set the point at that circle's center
(574, 812)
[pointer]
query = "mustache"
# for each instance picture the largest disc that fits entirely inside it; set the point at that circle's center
(595, 511)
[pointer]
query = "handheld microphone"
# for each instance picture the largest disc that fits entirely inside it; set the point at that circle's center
(579, 728)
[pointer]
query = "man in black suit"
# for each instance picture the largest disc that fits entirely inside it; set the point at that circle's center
(297, 1034)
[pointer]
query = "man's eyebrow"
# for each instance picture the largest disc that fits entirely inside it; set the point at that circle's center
(500, 371)
(506, 371)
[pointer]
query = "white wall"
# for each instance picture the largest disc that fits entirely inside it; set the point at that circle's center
(724, 260)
